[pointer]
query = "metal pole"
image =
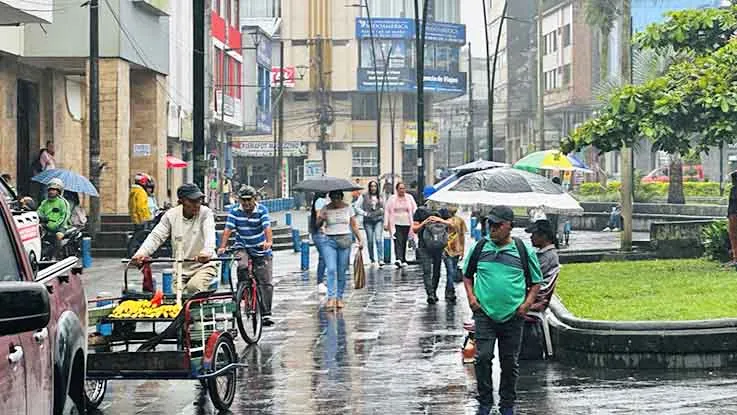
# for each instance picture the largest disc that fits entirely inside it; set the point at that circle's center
(392, 121)
(221, 133)
(323, 108)
(378, 93)
(489, 90)
(95, 216)
(420, 51)
(540, 77)
(198, 92)
(280, 148)
(469, 131)
(721, 169)
(450, 136)
(493, 74)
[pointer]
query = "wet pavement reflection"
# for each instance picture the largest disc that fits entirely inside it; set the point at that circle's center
(389, 352)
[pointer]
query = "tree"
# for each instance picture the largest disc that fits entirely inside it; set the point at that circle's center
(693, 106)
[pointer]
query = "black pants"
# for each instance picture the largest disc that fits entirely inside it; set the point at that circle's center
(430, 260)
(400, 243)
(509, 335)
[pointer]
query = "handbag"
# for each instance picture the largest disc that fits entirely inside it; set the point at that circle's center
(359, 273)
(343, 241)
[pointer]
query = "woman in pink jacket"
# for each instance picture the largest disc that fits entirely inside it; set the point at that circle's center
(398, 220)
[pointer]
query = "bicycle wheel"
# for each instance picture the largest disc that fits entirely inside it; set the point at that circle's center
(222, 388)
(248, 312)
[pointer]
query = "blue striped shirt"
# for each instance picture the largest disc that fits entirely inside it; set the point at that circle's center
(250, 230)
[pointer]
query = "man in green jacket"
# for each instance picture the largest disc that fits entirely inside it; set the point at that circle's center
(56, 212)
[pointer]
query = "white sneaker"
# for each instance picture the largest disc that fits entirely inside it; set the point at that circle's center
(405, 264)
(322, 288)
(615, 230)
(398, 264)
(607, 229)
(374, 264)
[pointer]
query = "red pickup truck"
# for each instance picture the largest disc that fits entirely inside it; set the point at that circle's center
(43, 330)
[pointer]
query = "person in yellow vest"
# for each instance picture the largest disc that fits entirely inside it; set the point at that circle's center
(138, 201)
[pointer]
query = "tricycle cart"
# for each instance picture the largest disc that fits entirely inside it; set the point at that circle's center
(196, 344)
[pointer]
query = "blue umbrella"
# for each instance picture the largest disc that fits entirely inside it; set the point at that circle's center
(73, 182)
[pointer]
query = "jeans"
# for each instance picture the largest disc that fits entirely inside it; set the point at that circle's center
(451, 269)
(615, 220)
(319, 239)
(430, 260)
(509, 335)
(374, 234)
(336, 262)
(400, 244)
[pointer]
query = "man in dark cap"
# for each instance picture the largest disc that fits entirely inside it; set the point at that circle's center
(502, 278)
(543, 239)
(191, 228)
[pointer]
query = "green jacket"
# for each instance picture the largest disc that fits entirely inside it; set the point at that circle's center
(57, 211)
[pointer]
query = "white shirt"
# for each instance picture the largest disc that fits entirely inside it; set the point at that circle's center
(338, 221)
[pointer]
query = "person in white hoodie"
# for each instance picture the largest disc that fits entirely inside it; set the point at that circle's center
(191, 228)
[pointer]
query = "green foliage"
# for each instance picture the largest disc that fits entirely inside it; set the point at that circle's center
(683, 289)
(650, 191)
(715, 240)
(699, 31)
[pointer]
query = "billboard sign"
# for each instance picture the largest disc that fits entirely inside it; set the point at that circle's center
(290, 76)
(401, 28)
(266, 149)
(410, 134)
(404, 80)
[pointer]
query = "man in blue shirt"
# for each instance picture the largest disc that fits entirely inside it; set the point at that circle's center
(253, 240)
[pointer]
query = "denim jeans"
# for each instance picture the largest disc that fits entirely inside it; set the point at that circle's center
(336, 262)
(451, 269)
(319, 239)
(509, 335)
(374, 236)
(430, 261)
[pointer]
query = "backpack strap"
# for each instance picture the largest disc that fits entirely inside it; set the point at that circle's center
(473, 262)
(524, 258)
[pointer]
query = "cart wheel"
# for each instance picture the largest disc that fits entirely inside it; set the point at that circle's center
(222, 388)
(94, 392)
(248, 313)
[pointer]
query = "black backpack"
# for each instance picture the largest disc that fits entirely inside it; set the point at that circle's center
(473, 262)
(435, 236)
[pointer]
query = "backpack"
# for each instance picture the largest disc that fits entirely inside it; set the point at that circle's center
(473, 262)
(435, 236)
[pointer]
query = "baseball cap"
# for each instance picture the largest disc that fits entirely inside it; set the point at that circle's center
(501, 214)
(543, 226)
(189, 191)
(247, 192)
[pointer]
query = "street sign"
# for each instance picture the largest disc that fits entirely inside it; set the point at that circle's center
(313, 168)
(290, 75)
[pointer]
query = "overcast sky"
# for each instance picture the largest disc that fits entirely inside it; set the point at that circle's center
(473, 18)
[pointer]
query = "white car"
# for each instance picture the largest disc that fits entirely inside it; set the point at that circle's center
(27, 222)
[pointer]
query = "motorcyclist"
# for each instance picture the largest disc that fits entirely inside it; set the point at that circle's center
(55, 213)
(138, 201)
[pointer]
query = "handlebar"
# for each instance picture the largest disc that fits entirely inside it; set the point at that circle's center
(129, 261)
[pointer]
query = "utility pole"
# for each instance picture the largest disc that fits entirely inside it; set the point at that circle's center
(198, 92)
(493, 73)
(540, 77)
(489, 90)
(626, 74)
(420, 49)
(280, 148)
(95, 168)
(221, 135)
(379, 94)
(392, 123)
(469, 130)
(323, 107)
(450, 136)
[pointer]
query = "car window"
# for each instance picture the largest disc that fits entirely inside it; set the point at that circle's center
(8, 262)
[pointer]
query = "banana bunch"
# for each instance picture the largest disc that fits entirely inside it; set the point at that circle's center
(144, 309)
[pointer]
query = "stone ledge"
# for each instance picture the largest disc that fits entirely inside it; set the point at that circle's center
(642, 344)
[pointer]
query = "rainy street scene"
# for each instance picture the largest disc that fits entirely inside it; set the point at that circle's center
(368, 207)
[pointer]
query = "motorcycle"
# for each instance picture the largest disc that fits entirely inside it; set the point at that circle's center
(56, 246)
(135, 239)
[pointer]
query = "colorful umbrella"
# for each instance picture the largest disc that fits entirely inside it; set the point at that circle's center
(73, 182)
(175, 163)
(546, 160)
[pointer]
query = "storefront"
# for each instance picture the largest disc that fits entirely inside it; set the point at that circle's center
(254, 164)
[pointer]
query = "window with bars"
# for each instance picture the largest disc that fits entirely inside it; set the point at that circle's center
(365, 163)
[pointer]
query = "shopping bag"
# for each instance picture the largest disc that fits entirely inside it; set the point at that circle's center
(359, 273)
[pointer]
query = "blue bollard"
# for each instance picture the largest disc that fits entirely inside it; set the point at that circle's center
(295, 239)
(104, 329)
(474, 223)
(167, 281)
(288, 218)
(387, 250)
(305, 249)
(86, 252)
(218, 238)
(225, 275)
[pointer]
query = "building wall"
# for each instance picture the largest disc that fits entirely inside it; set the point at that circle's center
(115, 134)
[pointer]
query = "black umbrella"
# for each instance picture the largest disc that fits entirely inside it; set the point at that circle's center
(325, 184)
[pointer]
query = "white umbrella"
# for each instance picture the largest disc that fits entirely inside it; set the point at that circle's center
(509, 187)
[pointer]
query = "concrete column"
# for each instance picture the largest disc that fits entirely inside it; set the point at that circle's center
(114, 135)
(148, 126)
(8, 120)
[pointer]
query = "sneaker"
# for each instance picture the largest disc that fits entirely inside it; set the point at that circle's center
(405, 264)
(267, 321)
(322, 288)
(607, 229)
(432, 299)
(398, 264)
(374, 264)
(450, 298)
(615, 230)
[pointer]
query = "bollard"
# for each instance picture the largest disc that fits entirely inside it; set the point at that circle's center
(305, 248)
(387, 249)
(225, 274)
(295, 239)
(86, 252)
(474, 223)
(167, 281)
(218, 238)
(105, 329)
(288, 218)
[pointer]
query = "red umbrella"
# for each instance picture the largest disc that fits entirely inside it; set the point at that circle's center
(175, 163)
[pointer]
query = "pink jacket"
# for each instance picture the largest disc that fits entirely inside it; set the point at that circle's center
(391, 206)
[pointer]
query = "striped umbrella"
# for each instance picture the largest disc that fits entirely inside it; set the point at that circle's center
(547, 160)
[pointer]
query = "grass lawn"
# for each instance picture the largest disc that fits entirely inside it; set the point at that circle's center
(684, 289)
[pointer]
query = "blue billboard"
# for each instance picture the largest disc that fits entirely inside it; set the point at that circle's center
(400, 28)
(405, 80)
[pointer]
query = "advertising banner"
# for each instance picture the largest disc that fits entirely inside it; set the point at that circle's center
(401, 28)
(290, 75)
(266, 149)
(410, 134)
(404, 80)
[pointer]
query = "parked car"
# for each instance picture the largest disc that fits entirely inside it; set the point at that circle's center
(43, 329)
(27, 221)
(694, 173)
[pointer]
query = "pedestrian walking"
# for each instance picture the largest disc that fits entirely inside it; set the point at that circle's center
(317, 232)
(372, 206)
(502, 278)
(387, 189)
(339, 221)
(454, 250)
(433, 234)
(398, 213)
(138, 209)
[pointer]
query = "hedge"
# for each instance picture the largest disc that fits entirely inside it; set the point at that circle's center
(703, 189)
